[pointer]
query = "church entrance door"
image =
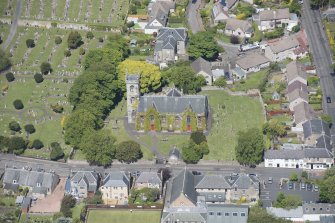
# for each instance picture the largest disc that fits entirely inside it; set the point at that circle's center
(152, 127)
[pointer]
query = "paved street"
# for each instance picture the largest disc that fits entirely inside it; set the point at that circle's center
(13, 28)
(311, 22)
(193, 16)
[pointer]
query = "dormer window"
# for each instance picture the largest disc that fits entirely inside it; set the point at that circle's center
(14, 182)
(38, 185)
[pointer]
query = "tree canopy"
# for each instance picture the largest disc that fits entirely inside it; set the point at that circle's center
(327, 189)
(128, 151)
(10, 77)
(203, 44)
(14, 126)
(74, 40)
(250, 147)
(56, 151)
(45, 68)
(220, 82)
(260, 215)
(99, 147)
(196, 148)
(287, 201)
(29, 128)
(184, 78)
(68, 202)
(150, 75)
(274, 129)
(4, 61)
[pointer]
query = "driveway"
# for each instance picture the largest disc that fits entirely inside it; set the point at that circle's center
(50, 204)
(193, 16)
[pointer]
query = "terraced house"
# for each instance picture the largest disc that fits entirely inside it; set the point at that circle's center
(170, 110)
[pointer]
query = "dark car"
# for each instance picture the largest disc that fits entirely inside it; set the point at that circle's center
(309, 187)
(329, 100)
(194, 1)
(290, 185)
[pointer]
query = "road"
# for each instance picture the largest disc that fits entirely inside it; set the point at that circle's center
(312, 23)
(193, 16)
(13, 27)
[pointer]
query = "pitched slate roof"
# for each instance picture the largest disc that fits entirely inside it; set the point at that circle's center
(191, 215)
(228, 3)
(319, 208)
(167, 38)
(86, 178)
(160, 12)
(217, 10)
(284, 154)
(274, 14)
(234, 24)
(149, 177)
(183, 183)
(203, 65)
(295, 69)
(317, 153)
(296, 85)
(315, 126)
(212, 182)
(252, 60)
(174, 104)
(285, 213)
(115, 179)
(283, 44)
(298, 93)
(302, 112)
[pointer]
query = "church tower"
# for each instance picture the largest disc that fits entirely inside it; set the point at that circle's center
(133, 95)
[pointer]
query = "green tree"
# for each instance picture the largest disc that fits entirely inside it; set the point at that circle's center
(68, 202)
(4, 61)
(192, 152)
(250, 147)
(294, 176)
(10, 77)
(18, 104)
(274, 129)
(260, 215)
(37, 144)
(30, 43)
(67, 53)
(327, 119)
(38, 78)
(234, 39)
(128, 151)
(198, 137)
(150, 75)
(46, 68)
(220, 82)
(56, 151)
(327, 189)
(81, 51)
(96, 199)
(17, 145)
(74, 40)
(99, 147)
(287, 201)
(29, 128)
(77, 124)
(14, 126)
(58, 40)
(89, 35)
(184, 78)
(203, 44)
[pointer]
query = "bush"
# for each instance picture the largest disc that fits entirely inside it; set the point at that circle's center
(17, 145)
(38, 78)
(294, 176)
(56, 151)
(68, 202)
(14, 126)
(89, 35)
(30, 43)
(10, 77)
(4, 60)
(198, 137)
(58, 40)
(101, 40)
(46, 68)
(278, 32)
(29, 128)
(67, 53)
(37, 144)
(296, 29)
(74, 40)
(18, 104)
(81, 51)
(128, 151)
(57, 108)
(234, 39)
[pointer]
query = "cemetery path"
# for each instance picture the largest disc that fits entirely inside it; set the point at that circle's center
(13, 28)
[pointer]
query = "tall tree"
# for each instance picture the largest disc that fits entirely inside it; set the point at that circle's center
(128, 151)
(45, 68)
(150, 74)
(274, 129)
(203, 44)
(14, 126)
(250, 147)
(327, 189)
(56, 151)
(99, 147)
(74, 40)
(77, 124)
(4, 61)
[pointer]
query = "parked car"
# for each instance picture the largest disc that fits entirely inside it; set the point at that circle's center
(302, 186)
(270, 180)
(290, 185)
(309, 187)
(329, 100)
(316, 188)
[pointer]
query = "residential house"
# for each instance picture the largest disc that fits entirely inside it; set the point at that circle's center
(82, 183)
(329, 14)
(270, 19)
(295, 72)
(170, 44)
(282, 49)
(115, 188)
(238, 73)
(184, 204)
(158, 15)
(252, 63)
(149, 180)
(203, 67)
(39, 182)
(302, 113)
(297, 96)
(314, 129)
(240, 28)
(294, 21)
(218, 14)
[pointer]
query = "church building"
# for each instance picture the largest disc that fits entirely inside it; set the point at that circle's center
(170, 110)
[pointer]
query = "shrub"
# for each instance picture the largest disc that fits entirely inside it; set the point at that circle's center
(67, 53)
(58, 40)
(14, 126)
(81, 51)
(37, 144)
(101, 40)
(56, 151)
(57, 108)
(30, 43)
(296, 29)
(234, 39)
(46, 68)
(29, 128)
(38, 78)
(10, 77)
(18, 104)
(74, 40)
(89, 35)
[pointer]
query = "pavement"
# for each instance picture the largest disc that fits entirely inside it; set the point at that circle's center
(320, 49)
(193, 16)
(13, 27)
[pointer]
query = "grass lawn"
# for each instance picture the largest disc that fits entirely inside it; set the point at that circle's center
(39, 219)
(253, 81)
(105, 216)
(239, 114)
(76, 210)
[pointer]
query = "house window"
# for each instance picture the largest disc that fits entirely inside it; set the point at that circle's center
(226, 214)
(38, 185)
(242, 214)
(177, 122)
(164, 120)
(199, 123)
(219, 214)
(235, 214)
(188, 120)
(152, 118)
(14, 182)
(132, 99)
(211, 213)
(131, 88)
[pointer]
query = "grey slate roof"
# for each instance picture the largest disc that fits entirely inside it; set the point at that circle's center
(319, 208)
(184, 216)
(274, 14)
(160, 12)
(252, 60)
(298, 93)
(285, 213)
(295, 69)
(227, 208)
(115, 179)
(296, 85)
(203, 65)
(174, 104)
(167, 38)
(317, 153)
(183, 183)
(244, 181)
(302, 112)
(149, 177)
(283, 44)
(86, 178)
(213, 196)
(174, 152)
(234, 24)
(212, 182)
(315, 127)
(284, 154)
